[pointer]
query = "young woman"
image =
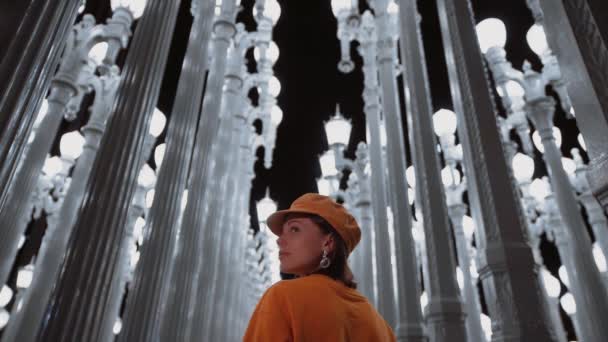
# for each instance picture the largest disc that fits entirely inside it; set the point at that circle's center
(316, 236)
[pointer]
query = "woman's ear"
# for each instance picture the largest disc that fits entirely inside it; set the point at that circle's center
(329, 243)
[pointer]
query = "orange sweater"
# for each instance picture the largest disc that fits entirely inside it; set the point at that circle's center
(315, 308)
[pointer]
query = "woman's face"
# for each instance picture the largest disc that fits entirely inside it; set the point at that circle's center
(301, 245)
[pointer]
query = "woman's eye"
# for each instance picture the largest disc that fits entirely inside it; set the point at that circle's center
(295, 229)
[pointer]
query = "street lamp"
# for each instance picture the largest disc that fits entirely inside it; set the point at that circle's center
(491, 33)
(6, 294)
(136, 7)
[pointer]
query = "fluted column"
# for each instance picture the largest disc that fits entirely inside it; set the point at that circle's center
(574, 36)
(181, 303)
(591, 296)
(385, 299)
(506, 264)
(445, 317)
(142, 318)
(23, 326)
(77, 304)
(25, 76)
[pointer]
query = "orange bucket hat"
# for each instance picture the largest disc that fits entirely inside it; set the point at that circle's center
(334, 213)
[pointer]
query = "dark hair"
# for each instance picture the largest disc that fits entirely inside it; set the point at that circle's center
(338, 269)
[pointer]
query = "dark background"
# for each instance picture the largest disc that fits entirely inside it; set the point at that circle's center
(311, 87)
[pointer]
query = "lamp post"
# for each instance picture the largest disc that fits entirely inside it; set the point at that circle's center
(569, 305)
(553, 290)
(64, 86)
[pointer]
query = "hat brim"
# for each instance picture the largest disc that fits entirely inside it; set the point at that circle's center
(275, 221)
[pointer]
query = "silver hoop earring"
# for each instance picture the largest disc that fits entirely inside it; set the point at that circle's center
(325, 261)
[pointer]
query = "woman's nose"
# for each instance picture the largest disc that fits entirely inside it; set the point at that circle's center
(280, 241)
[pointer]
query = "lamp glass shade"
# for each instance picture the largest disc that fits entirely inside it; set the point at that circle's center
(557, 134)
(552, 284)
(568, 304)
(134, 259)
(563, 275)
(444, 122)
(581, 141)
(272, 52)
(450, 176)
(491, 32)
(157, 125)
(537, 40)
(539, 189)
(600, 259)
(138, 230)
(265, 207)
(276, 115)
(25, 276)
(274, 86)
(328, 164)
(135, 6)
(411, 195)
(468, 226)
(159, 154)
(98, 52)
(147, 177)
(410, 176)
(338, 130)
(71, 144)
(6, 294)
(52, 166)
(523, 167)
(338, 6)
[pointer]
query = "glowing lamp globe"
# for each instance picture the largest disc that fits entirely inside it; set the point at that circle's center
(468, 225)
(276, 115)
(459, 277)
(552, 284)
(568, 304)
(491, 33)
(514, 89)
(71, 145)
(52, 166)
(410, 176)
(523, 167)
(147, 176)
(265, 207)
(117, 326)
(444, 122)
(557, 134)
(4, 318)
(272, 52)
(159, 154)
(25, 276)
(157, 125)
(338, 6)
(136, 7)
(138, 230)
(6, 294)
(569, 165)
(392, 8)
(581, 141)
(563, 275)
(149, 198)
(272, 10)
(450, 176)
(98, 52)
(411, 195)
(323, 187)
(539, 189)
(338, 129)
(486, 326)
(274, 86)
(328, 164)
(424, 301)
(537, 40)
